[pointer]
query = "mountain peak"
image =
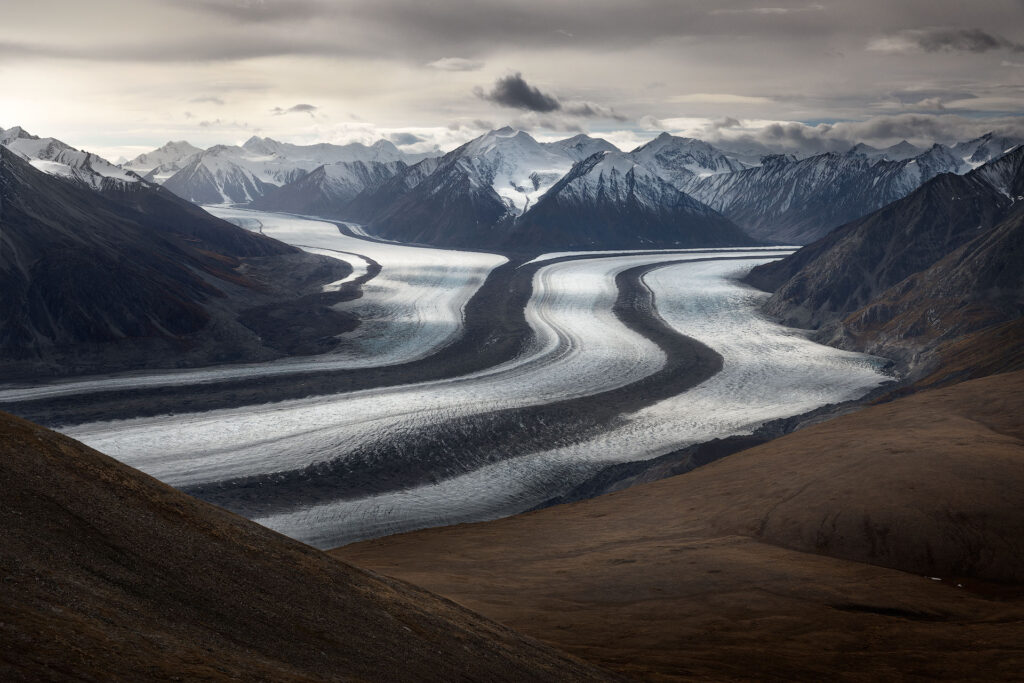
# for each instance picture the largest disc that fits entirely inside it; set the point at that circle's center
(178, 146)
(259, 145)
(16, 133)
(504, 131)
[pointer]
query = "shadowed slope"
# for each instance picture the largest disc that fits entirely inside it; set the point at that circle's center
(778, 561)
(924, 271)
(111, 575)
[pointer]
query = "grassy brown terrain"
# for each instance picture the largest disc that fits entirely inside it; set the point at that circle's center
(107, 574)
(886, 544)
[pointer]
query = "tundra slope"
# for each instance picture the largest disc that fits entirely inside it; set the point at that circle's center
(801, 559)
(110, 575)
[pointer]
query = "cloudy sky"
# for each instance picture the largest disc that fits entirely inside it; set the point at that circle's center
(123, 76)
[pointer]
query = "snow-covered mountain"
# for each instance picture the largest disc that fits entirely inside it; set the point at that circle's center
(240, 174)
(682, 161)
(163, 162)
(373, 202)
(798, 201)
(505, 190)
(1005, 173)
(214, 177)
(492, 179)
(901, 151)
(518, 168)
(60, 159)
(612, 200)
(579, 147)
(327, 190)
(986, 148)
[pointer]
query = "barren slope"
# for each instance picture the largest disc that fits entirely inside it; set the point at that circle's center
(108, 574)
(780, 561)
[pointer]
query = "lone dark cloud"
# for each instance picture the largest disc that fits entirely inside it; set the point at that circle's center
(946, 40)
(964, 39)
(513, 91)
(402, 139)
(591, 110)
(208, 100)
(294, 109)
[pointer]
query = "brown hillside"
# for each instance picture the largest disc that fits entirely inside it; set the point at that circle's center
(108, 574)
(806, 557)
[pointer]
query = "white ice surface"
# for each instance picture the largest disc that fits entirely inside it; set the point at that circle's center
(412, 308)
(414, 305)
(782, 250)
(580, 348)
(769, 372)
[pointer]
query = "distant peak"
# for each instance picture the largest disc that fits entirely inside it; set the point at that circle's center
(506, 130)
(17, 132)
(177, 144)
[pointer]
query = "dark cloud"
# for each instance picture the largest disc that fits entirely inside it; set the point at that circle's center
(945, 39)
(727, 122)
(402, 139)
(207, 100)
(513, 91)
(592, 110)
(295, 109)
(803, 139)
(963, 39)
(224, 30)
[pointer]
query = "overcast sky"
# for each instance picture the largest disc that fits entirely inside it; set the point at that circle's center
(123, 76)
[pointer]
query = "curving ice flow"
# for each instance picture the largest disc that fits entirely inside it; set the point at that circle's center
(709, 251)
(579, 348)
(769, 372)
(412, 308)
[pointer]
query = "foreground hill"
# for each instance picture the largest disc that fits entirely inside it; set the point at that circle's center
(107, 574)
(804, 558)
(928, 269)
(130, 275)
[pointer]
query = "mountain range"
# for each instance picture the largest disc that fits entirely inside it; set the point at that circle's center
(103, 270)
(908, 280)
(487, 193)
